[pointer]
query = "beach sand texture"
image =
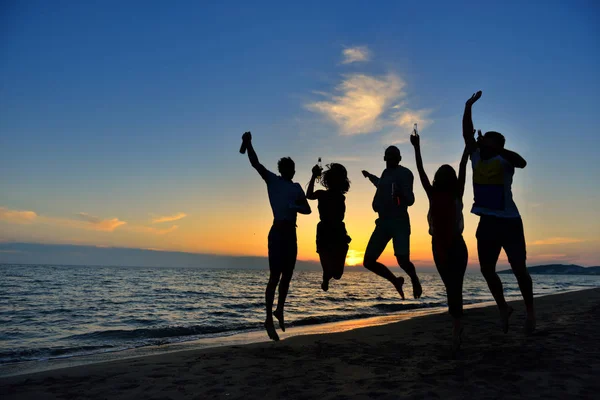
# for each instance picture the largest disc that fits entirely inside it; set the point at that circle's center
(409, 359)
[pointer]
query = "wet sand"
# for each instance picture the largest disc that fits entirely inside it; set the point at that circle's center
(408, 359)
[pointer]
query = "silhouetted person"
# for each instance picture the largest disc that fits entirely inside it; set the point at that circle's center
(446, 225)
(393, 197)
(332, 239)
(287, 199)
(500, 224)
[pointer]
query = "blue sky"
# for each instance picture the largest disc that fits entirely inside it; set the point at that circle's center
(126, 111)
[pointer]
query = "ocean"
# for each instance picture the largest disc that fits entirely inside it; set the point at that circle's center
(52, 312)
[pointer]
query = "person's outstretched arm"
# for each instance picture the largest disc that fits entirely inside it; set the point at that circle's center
(374, 180)
(247, 138)
(311, 194)
(462, 172)
(301, 205)
(513, 158)
(416, 142)
(467, 123)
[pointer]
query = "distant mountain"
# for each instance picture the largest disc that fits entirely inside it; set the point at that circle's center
(559, 269)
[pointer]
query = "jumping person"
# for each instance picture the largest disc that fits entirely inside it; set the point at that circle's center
(287, 199)
(500, 225)
(446, 225)
(393, 197)
(332, 239)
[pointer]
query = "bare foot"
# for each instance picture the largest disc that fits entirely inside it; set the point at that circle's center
(279, 315)
(417, 289)
(271, 330)
(504, 317)
(325, 285)
(398, 285)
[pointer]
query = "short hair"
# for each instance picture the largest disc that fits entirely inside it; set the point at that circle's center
(286, 164)
(497, 137)
(393, 150)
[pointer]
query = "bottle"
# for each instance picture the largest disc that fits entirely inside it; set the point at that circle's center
(321, 169)
(415, 132)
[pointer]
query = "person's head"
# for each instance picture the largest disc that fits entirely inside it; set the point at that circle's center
(392, 156)
(336, 178)
(445, 180)
(491, 143)
(287, 168)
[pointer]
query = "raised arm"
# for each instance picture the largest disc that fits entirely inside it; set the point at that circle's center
(301, 205)
(374, 180)
(310, 192)
(467, 123)
(247, 138)
(416, 142)
(513, 158)
(462, 172)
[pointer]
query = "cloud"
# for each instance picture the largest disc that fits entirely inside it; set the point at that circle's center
(555, 241)
(407, 118)
(17, 216)
(360, 102)
(97, 223)
(356, 54)
(169, 218)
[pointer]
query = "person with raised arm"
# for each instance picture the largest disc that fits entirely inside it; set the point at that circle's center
(332, 239)
(393, 197)
(287, 199)
(446, 225)
(500, 224)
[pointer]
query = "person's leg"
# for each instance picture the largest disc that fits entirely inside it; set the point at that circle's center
(459, 257)
(339, 261)
(516, 252)
(489, 245)
(326, 262)
(401, 240)
(291, 252)
(274, 274)
(377, 243)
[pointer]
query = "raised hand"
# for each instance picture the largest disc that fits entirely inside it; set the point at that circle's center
(365, 173)
(316, 170)
(474, 98)
(479, 136)
(247, 137)
(415, 140)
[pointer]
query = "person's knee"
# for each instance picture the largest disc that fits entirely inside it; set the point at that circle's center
(368, 262)
(487, 270)
(520, 271)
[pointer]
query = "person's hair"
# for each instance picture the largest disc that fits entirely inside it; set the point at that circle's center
(286, 164)
(336, 178)
(497, 137)
(445, 180)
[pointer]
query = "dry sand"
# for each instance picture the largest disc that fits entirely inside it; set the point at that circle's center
(409, 359)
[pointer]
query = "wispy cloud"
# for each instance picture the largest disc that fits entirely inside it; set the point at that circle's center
(360, 102)
(152, 230)
(100, 224)
(17, 216)
(169, 218)
(356, 54)
(556, 240)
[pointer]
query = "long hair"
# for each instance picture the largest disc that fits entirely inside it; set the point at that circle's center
(336, 178)
(443, 202)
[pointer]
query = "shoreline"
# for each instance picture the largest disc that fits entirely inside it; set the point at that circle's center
(234, 339)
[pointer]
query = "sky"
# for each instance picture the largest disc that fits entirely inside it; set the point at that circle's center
(120, 122)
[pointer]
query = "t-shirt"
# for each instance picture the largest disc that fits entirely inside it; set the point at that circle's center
(332, 206)
(283, 195)
(492, 187)
(383, 203)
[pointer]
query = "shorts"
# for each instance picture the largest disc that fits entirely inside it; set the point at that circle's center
(331, 237)
(395, 229)
(494, 234)
(283, 247)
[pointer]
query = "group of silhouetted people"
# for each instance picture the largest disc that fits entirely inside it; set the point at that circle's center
(500, 226)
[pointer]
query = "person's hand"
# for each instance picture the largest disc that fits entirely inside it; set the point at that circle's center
(474, 98)
(247, 137)
(479, 137)
(415, 140)
(316, 170)
(365, 173)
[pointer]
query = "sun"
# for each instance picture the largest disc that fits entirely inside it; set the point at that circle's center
(354, 257)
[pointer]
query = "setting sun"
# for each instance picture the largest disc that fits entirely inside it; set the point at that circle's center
(354, 257)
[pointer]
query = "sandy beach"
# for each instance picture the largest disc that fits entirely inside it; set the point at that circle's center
(408, 359)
